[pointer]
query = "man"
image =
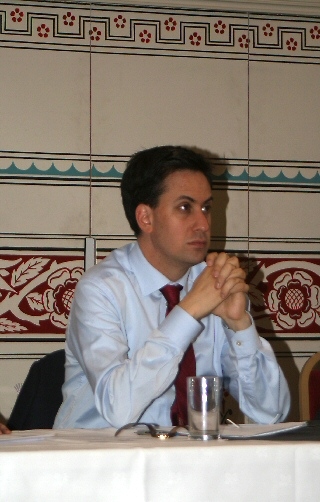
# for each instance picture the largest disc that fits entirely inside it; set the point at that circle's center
(4, 429)
(122, 351)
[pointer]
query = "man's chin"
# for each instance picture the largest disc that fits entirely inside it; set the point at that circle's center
(198, 257)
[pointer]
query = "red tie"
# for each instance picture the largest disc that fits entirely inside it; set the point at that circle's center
(187, 367)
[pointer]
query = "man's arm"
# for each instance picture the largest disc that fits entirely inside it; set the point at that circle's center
(128, 359)
(256, 380)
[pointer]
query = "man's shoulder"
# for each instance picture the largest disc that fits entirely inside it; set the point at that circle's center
(115, 264)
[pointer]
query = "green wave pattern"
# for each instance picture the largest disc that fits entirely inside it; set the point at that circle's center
(72, 172)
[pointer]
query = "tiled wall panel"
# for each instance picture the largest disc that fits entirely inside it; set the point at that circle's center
(44, 97)
(83, 85)
(281, 215)
(203, 103)
(45, 209)
(280, 124)
(108, 214)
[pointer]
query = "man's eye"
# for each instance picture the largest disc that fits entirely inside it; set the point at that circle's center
(206, 209)
(185, 207)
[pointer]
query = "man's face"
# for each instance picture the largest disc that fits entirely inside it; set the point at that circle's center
(180, 224)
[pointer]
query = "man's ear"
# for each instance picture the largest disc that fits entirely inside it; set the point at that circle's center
(144, 217)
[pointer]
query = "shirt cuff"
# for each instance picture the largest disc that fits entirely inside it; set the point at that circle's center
(245, 342)
(180, 327)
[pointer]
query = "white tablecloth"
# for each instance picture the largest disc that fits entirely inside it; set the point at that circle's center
(94, 466)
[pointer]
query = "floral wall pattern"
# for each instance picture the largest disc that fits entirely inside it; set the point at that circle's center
(36, 294)
(85, 85)
(185, 30)
(287, 300)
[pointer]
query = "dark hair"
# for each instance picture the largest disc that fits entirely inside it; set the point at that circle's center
(143, 181)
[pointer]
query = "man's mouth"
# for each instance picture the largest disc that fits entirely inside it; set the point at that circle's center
(198, 243)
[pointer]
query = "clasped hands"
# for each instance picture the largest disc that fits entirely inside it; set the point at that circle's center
(221, 290)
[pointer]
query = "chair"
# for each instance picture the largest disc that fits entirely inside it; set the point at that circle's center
(40, 396)
(309, 389)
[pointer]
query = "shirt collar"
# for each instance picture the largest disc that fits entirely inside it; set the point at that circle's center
(148, 277)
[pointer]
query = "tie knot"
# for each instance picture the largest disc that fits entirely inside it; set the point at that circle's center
(171, 292)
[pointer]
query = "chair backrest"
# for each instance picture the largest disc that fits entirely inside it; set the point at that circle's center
(40, 396)
(309, 389)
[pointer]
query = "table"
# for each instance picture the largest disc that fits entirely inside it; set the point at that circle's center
(94, 466)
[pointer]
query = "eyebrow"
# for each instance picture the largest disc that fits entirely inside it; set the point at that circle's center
(191, 199)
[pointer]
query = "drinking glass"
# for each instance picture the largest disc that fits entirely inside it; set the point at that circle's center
(204, 394)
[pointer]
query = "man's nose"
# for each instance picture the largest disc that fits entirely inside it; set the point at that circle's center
(202, 221)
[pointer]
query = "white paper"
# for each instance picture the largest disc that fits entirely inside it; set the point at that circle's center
(25, 436)
(247, 431)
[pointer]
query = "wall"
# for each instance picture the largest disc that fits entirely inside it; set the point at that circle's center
(84, 85)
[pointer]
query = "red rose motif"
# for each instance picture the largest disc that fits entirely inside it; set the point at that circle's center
(170, 24)
(16, 15)
(219, 27)
(120, 21)
(315, 32)
(295, 300)
(68, 19)
(244, 41)
(95, 34)
(145, 36)
(292, 44)
(58, 298)
(268, 30)
(195, 39)
(43, 31)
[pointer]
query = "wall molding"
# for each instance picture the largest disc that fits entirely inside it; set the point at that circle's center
(151, 31)
(59, 168)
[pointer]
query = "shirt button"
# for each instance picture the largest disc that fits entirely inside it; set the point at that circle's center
(238, 343)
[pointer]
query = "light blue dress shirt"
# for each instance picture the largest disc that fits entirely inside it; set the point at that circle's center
(122, 352)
